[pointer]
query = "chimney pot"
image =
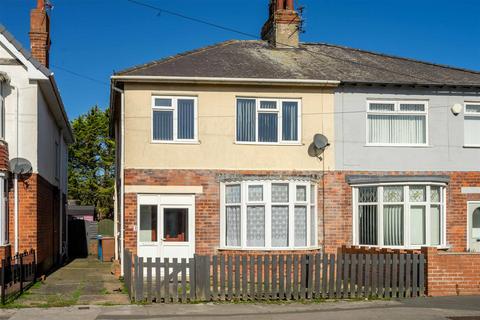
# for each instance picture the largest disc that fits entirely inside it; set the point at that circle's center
(282, 27)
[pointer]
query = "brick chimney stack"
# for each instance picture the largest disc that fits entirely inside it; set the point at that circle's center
(282, 28)
(40, 33)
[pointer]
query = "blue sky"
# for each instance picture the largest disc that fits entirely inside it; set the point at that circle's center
(95, 37)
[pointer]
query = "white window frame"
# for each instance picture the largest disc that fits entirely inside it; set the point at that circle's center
(174, 109)
(471, 115)
(279, 112)
(396, 111)
(267, 184)
(407, 204)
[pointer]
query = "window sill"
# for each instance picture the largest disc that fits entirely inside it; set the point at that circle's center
(269, 143)
(269, 249)
(398, 145)
(175, 142)
(441, 247)
(471, 146)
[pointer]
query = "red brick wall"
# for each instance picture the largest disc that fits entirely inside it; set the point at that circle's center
(334, 212)
(450, 274)
(38, 222)
(4, 162)
(338, 207)
(207, 204)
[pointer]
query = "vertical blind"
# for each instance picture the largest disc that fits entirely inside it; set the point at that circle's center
(268, 117)
(290, 121)
(246, 119)
(397, 129)
(267, 127)
(186, 118)
(163, 125)
(393, 225)
(472, 130)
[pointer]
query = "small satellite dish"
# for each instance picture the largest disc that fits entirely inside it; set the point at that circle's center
(20, 166)
(317, 147)
(320, 141)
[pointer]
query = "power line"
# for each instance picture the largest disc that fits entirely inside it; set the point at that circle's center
(180, 15)
(80, 75)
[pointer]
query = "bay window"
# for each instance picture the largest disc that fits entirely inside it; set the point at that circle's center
(268, 121)
(399, 215)
(397, 123)
(174, 119)
(268, 215)
(472, 125)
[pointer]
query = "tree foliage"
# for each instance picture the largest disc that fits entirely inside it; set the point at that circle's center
(91, 165)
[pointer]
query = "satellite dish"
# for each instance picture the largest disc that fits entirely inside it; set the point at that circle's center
(20, 166)
(317, 147)
(320, 141)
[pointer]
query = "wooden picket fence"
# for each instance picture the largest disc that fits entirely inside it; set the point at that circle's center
(275, 277)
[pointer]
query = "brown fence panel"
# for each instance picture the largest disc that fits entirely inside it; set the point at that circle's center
(271, 277)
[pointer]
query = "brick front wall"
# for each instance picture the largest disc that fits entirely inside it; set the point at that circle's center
(450, 274)
(334, 204)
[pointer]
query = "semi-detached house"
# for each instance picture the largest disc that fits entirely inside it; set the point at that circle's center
(213, 149)
(34, 128)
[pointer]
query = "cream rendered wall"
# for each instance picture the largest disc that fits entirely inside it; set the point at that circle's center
(216, 122)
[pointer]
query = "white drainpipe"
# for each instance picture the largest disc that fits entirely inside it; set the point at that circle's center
(122, 170)
(60, 193)
(15, 179)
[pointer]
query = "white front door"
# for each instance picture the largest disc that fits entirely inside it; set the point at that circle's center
(166, 226)
(474, 226)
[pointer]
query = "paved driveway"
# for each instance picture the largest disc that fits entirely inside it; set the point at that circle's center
(83, 281)
(457, 308)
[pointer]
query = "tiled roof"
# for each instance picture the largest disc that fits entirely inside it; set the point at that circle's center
(312, 61)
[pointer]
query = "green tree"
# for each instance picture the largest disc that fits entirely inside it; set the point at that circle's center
(91, 164)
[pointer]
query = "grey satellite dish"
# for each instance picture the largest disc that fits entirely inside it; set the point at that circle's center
(320, 141)
(317, 147)
(20, 166)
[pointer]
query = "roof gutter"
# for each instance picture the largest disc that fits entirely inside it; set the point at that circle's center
(219, 80)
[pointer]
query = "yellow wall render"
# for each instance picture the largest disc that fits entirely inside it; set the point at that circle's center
(216, 129)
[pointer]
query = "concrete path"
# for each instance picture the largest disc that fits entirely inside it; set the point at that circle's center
(83, 281)
(457, 308)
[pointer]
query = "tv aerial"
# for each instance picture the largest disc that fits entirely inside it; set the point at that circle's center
(317, 147)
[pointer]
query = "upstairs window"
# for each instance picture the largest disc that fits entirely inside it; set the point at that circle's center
(174, 119)
(472, 125)
(397, 123)
(268, 121)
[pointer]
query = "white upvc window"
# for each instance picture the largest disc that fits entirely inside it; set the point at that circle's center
(268, 121)
(266, 215)
(174, 119)
(472, 124)
(399, 215)
(397, 123)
